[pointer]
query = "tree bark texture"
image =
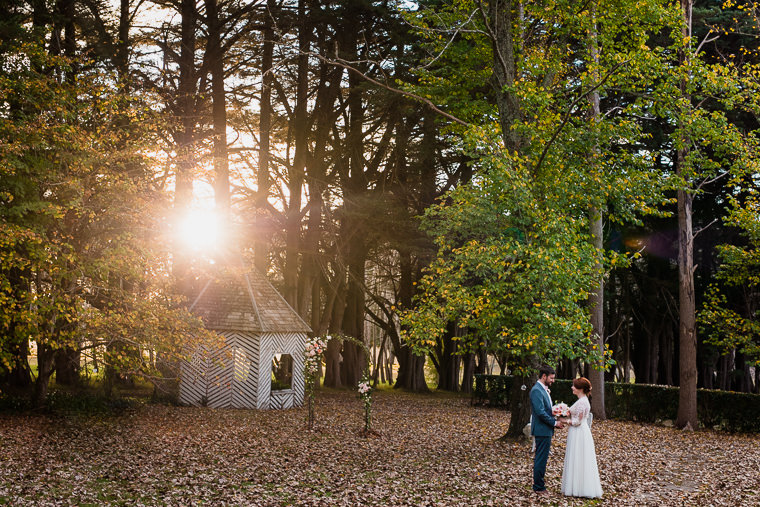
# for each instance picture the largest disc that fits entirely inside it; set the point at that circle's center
(45, 358)
(185, 136)
(596, 307)
(504, 69)
(411, 370)
(687, 399)
(447, 361)
(298, 169)
(219, 114)
(313, 276)
(519, 407)
(354, 357)
(468, 371)
(66, 365)
(596, 230)
(334, 346)
(263, 181)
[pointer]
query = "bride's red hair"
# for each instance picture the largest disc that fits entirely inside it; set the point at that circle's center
(583, 384)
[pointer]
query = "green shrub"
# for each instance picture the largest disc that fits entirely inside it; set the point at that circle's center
(65, 402)
(736, 412)
(13, 403)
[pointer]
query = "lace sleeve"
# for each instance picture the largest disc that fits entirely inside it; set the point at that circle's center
(578, 412)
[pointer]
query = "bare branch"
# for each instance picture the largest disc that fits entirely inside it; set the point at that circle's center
(570, 110)
(457, 31)
(713, 180)
(706, 40)
(701, 229)
(346, 65)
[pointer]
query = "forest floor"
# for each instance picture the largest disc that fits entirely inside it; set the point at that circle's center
(432, 450)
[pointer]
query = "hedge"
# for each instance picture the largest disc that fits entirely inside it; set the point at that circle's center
(61, 402)
(730, 411)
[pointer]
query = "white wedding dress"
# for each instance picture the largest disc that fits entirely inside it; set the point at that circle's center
(580, 476)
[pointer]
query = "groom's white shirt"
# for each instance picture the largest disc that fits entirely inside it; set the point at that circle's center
(546, 390)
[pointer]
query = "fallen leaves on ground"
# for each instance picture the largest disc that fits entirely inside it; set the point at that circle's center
(432, 450)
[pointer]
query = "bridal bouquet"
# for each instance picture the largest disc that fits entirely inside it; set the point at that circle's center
(561, 410)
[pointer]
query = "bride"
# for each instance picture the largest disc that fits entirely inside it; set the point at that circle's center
(580, 476)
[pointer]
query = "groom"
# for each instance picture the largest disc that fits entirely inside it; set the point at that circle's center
(542, 425)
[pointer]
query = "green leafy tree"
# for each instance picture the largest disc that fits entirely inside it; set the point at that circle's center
(516, 259)
(512, 270)
(730, 316)
(81, 263)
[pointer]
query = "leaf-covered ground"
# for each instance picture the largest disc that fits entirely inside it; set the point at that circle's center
(433, 450)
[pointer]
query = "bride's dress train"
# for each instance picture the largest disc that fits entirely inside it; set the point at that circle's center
(580, 476)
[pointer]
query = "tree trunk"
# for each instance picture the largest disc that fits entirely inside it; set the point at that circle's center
(482, 365)
(17, 348)
(596, 295)
(298, 169)
(640, 357)
(40, 13)
(740, 381)
(687, 399)
(381, 366)
(720, 373)
(312, 278)
(332, 364)
(219, 113)
(185, 137)
(354, 358)
(378, 371)
(654, 355)
(665, 374)
(261, 243)
(596, 307)
(45, 358)
(519, 407)
(123, 45)
(186, 101)
(411, 372)
(334, 346)
(19, 377)
(411, 367)
(468, 371)
(504, 70)
(447, 361)
(687, 335)
(708, 376)
(66, 361)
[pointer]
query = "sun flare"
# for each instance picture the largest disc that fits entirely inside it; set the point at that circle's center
(200, 230)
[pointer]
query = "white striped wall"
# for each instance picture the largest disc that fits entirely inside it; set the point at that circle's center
(239, 374)
(281, 343)
(246, 376)
(192, 386)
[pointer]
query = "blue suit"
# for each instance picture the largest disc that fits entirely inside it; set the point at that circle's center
(541, 427)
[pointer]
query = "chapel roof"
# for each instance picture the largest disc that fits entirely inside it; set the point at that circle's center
(245, 301)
